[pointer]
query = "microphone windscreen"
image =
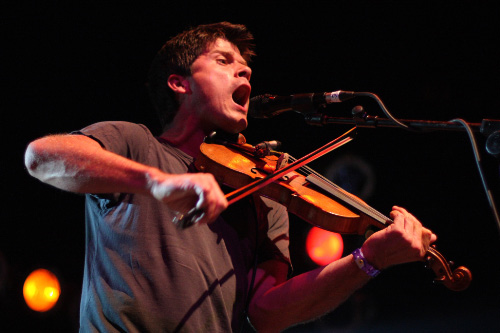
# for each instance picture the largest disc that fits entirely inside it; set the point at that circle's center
(257, 108)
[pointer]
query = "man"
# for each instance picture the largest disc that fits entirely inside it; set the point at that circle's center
(142, 273)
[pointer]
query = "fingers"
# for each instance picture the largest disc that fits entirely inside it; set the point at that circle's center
(211, 199)
(403, 216)
(186, 192)
(426, 232)
(406, 239)
(433, 237)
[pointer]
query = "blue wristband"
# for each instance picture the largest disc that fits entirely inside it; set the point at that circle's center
(360, 260)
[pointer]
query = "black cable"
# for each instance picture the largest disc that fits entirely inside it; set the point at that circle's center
(471, 138)
(384, 109)
(477, 157)
(254, 272)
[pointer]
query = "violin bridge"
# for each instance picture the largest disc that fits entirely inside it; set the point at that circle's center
(282, 161)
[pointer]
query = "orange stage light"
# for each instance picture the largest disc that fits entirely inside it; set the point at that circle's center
(41, 290)
(323, 246)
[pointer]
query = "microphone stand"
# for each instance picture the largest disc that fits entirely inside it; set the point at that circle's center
(490, 128)
(362, 120)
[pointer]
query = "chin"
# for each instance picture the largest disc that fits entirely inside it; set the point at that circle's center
(241, 125)
(235, 126)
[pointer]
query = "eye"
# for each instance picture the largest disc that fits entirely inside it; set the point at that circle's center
(222, 61)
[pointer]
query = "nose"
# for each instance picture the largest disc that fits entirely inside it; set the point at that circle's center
(244, 71)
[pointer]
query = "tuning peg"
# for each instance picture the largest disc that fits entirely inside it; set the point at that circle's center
(439, 280)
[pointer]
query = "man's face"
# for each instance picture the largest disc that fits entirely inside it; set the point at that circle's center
(220, 88)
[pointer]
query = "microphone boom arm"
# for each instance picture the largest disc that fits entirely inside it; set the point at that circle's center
(486, 127)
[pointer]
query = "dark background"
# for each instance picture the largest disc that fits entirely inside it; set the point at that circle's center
(66, 65)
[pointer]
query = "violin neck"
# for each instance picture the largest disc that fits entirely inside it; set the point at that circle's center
(348, 198)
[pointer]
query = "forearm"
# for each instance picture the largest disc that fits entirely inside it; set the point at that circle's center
(306, 296)
(277, 304)
(79, 164)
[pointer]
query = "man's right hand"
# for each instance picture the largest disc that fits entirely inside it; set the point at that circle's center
(185, 192)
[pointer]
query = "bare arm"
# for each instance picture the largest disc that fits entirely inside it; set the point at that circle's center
(278, 304)
(79, 164)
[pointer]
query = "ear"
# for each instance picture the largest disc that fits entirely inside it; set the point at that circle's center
(179, 84)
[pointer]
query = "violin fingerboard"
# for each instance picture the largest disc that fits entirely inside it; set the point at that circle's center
(346, 197)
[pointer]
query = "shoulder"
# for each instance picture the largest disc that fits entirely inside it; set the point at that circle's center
(109, 128)
(274, 211)
(124, 138)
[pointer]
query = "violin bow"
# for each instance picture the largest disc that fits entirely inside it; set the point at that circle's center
(186, 220)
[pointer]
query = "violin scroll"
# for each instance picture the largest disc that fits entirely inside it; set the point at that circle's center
(457, 280)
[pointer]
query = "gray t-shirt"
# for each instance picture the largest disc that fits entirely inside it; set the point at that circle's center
(142, 273)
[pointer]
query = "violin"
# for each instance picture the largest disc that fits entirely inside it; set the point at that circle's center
(305, 193)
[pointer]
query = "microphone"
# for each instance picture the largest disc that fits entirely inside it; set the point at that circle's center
(267, 106)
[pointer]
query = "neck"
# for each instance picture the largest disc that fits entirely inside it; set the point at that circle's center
(186, 134)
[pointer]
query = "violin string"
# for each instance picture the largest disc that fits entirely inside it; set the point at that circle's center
(306, 169)
(346, 195)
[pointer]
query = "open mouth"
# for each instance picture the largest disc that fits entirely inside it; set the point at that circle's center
(241, 95)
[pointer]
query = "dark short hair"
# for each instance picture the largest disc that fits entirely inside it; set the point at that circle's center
(179, 53)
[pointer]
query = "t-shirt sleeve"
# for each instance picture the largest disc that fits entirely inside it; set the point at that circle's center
(276, 242)
(123, 138)
(129, 140)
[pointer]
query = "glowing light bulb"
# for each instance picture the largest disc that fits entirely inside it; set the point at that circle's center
(41, 290)
(324, 247)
